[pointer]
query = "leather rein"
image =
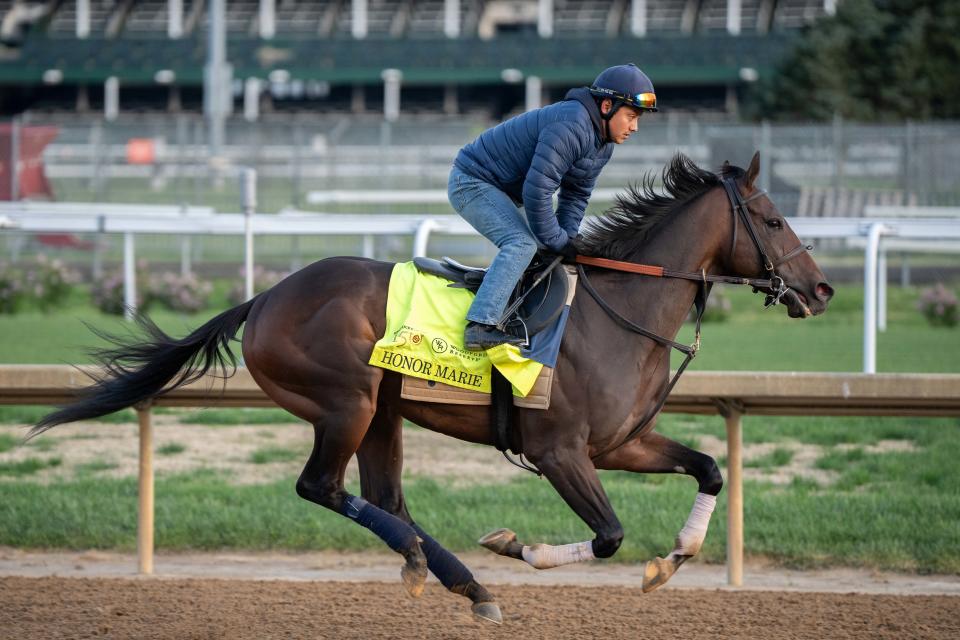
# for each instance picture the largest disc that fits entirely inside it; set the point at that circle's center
(773, 283)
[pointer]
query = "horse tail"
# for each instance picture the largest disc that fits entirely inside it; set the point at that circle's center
(137, 368)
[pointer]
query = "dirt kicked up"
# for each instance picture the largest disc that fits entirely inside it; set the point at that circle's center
(191, 608)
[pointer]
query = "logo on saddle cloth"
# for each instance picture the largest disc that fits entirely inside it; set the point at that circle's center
(424, 337)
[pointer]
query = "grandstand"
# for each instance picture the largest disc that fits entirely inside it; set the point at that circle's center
(56, 55)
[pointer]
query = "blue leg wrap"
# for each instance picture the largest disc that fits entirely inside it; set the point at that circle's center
(398, 535)
(443, 564)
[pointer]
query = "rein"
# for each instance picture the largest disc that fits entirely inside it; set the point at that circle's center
(774, 283)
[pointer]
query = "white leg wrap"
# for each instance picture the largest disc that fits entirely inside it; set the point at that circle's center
(547, 556)
(694, 531)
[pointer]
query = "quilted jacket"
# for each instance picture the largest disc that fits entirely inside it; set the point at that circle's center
(530, 156)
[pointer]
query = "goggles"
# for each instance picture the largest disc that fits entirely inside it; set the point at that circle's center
(645, 101)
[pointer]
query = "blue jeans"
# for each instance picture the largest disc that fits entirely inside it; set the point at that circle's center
(492, 213)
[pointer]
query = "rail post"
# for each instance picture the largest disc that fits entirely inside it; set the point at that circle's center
(248, 179)
(129, 276)
(732, 412)
(870, 297)
(145, 505)
(422, 236)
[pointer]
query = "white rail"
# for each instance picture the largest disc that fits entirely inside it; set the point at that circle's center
(135, 219)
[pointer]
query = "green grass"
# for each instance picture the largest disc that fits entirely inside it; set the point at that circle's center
(752, 339)
(171, 449)
(7, 442)
(779, 457)
(27, 467)
(29, 414)
(818, 430)
(796, 526)
(89, 468)
(228, 417)
(892, 510)
(266, 455)
(840, 460)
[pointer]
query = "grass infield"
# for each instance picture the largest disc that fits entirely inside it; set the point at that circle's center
(893, 508)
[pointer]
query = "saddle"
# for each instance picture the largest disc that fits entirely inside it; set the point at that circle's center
(542, 293)
(543, 288)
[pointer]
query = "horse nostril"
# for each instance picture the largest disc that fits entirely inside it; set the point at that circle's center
(824, 291)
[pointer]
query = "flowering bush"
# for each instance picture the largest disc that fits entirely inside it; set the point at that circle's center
(11, 289)
(107, 294)
(49, 282)
(262, 280)
(179, 293)
(938, 305)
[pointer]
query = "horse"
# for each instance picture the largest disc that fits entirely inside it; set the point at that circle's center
(308, 339)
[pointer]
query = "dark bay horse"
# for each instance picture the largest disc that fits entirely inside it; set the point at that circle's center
(307, 341)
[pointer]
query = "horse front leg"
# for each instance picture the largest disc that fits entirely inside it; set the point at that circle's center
(654, 453)
(572, 474)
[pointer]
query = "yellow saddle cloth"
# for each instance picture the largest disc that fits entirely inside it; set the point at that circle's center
(424, 337)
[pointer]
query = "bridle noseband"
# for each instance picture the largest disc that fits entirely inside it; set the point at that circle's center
(738, 203)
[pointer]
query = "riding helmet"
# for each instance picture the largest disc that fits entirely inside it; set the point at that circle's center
(625, 84)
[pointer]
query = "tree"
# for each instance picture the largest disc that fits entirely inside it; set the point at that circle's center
(876, 60)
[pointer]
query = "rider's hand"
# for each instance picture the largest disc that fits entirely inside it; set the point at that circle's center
(570, 251)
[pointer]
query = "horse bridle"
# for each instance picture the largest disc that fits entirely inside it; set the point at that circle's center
(774, 283)
(738, 203)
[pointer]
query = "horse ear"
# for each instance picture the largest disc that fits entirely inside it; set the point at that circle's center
(726, 166)
(753, 170)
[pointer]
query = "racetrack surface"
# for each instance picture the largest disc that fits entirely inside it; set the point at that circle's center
(52, 607)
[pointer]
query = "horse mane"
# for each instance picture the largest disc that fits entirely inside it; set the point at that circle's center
(627, 224)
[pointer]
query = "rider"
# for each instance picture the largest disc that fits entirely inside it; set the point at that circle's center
(522, 162)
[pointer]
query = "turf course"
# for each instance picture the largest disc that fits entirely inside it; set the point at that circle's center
(895, 508)
(752, 338)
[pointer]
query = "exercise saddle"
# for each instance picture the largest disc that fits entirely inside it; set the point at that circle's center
(541, 293)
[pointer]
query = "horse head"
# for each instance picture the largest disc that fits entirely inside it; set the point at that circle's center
(764, 246)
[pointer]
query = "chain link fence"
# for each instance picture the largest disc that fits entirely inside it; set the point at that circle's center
(811, 169)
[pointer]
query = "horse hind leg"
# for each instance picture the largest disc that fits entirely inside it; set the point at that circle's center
(654, 453)
(380, 459)
(337, 436)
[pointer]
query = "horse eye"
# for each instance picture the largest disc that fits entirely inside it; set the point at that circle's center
(774, 223)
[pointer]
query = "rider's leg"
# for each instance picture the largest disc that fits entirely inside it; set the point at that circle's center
(493, 214)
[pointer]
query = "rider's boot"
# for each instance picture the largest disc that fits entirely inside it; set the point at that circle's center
(479, 337)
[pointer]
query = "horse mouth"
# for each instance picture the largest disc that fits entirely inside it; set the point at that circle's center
(797, 305)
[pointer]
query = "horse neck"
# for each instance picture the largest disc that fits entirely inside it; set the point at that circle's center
(690, 240)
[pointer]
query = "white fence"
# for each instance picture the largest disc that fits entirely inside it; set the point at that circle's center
(134, 219)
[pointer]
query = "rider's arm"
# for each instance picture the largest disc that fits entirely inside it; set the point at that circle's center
(558, 146)
(572, 201)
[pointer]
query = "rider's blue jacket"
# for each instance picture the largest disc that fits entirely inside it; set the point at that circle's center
(530, 156)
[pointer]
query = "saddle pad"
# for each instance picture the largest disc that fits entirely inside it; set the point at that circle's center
(424, 337)
(438, 392)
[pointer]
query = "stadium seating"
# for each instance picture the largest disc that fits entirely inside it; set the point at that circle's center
(400, 18)
(586, 16)
(686, 45)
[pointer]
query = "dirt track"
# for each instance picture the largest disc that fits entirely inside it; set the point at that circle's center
(131, 608)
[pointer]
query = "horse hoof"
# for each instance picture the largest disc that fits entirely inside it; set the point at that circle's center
(414, 573)
(656, 573)
(499, 541)
(487, 611)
